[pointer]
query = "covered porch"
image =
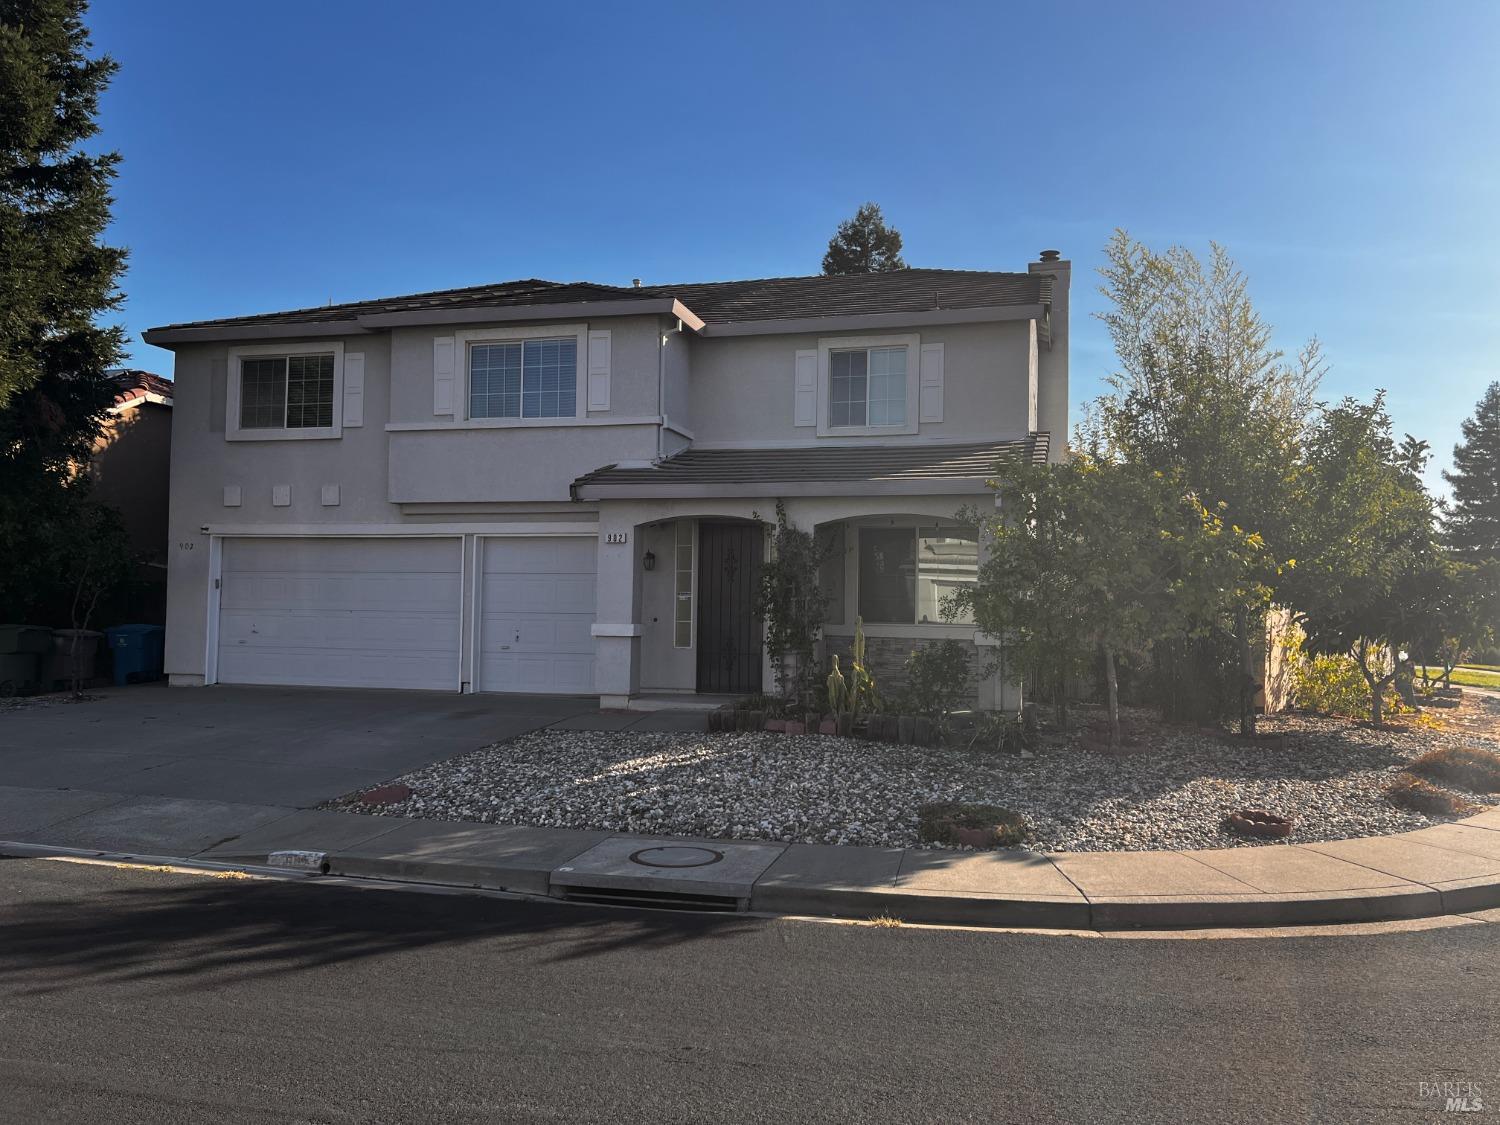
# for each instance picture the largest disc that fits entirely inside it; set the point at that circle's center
(681, 545)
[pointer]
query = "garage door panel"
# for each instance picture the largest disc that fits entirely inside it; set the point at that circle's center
(536, 555)
(340, 612)
(507, 593)
(537, 599)
(541, 673)
(415, 591)
(552, 634)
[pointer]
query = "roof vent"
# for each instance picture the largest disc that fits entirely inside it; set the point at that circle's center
(1051, 255)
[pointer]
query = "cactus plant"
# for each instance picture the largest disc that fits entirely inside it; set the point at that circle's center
(838, 689)
(862, 693)
(849, 696)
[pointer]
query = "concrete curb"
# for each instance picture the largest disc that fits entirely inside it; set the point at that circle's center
(1428, 873)
(1043, 912)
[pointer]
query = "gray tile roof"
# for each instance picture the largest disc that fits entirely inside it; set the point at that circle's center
(721, 302)
(913, 290)
(867, 464)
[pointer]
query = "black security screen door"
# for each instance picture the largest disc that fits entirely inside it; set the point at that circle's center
(729, 645)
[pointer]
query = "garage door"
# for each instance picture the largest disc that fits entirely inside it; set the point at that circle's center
(536, 600)
(340, 612)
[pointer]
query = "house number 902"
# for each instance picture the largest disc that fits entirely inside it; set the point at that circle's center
(617, 537)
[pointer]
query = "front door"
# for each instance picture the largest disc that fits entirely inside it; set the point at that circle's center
(729, 636)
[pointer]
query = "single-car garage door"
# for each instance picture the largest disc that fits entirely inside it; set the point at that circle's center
(536, 600)
(340, 612)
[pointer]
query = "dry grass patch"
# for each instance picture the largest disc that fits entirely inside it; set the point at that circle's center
(1466, 766)
(1410, 792)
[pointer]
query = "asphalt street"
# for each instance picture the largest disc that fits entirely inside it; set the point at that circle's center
(132, 995)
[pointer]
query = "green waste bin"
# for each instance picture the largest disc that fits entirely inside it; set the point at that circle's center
(18, 673)
(24, 638)
(58, 666)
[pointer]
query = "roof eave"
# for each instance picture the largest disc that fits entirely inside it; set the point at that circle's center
(569, 310)
(229, 333)
(368, 323)
(978, 314)
(685, 490)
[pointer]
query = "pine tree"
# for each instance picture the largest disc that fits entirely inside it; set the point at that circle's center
(1471, 525)
(56, 278)
(864, 244)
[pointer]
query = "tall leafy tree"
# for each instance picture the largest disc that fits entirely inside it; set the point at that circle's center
(1459, 611)
(1202, 393)
(1097, 554)
(1471, 524)
(864, 244)
(1367, 562)
(57, 277)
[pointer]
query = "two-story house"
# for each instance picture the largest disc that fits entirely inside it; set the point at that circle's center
(544, 487)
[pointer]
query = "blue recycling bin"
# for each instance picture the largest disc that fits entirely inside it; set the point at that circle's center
(136, 651)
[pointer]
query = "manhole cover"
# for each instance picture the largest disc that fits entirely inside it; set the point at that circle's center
(676, 856)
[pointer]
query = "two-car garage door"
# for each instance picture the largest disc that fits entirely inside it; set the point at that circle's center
(356, 612)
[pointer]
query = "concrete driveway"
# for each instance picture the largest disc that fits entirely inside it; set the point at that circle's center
(288, 747)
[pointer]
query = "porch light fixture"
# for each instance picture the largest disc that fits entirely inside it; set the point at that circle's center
(648, 561)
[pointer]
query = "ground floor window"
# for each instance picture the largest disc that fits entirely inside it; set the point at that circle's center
(908, 574)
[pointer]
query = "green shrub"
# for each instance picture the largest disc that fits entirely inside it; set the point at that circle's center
(1411, 792)
(1334, 685)
(1002, 731)
(1468, 766)
(938, 680)
(955, 823)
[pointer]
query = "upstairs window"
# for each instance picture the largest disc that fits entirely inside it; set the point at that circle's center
(867, 387)
(524, 379)
(286, 392)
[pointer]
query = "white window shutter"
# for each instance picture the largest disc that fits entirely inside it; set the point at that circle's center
(598, 371)
(442, 375)
(354, 389)
(805, 396)
(930, 408)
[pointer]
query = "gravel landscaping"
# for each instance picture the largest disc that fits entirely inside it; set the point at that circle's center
(825, 790)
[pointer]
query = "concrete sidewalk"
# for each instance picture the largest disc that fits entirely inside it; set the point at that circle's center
(1446, 869)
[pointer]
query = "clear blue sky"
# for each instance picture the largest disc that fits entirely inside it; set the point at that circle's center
(284, 154)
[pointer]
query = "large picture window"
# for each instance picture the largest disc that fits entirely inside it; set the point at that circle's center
(286, 392)
(524, 379)
(907, 574)
(867, 387)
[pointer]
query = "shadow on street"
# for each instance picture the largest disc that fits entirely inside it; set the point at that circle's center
(191, 926)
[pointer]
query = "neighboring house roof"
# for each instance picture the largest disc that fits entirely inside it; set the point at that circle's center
(721, 303)
(140, 386)
(913, 467)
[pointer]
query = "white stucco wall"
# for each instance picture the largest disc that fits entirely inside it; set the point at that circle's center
(742, 386)
(204, 464)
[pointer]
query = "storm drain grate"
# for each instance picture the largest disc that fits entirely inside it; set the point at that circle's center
(652, 900)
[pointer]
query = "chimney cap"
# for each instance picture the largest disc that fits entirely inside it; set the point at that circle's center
(1050, 256)
(635, 283)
